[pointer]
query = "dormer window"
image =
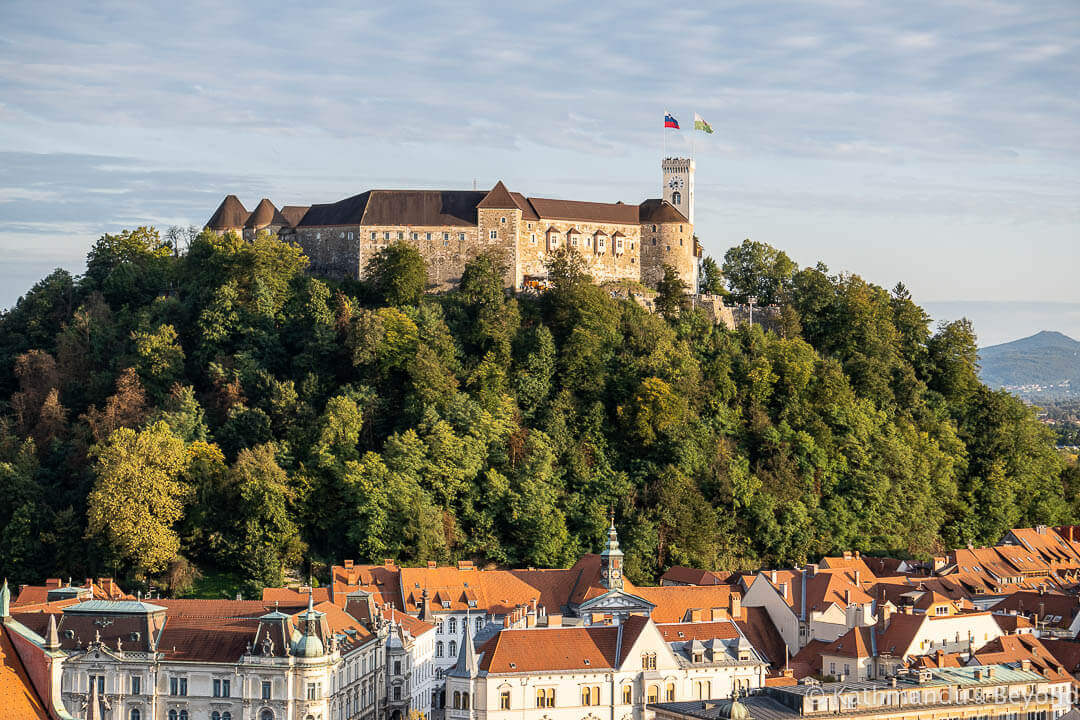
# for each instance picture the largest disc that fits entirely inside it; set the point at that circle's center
(618, 246)
(553, 239)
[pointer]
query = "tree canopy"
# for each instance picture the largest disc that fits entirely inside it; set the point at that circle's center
(216, 407)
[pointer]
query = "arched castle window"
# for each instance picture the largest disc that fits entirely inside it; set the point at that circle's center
(654, 693)
(627, 694)
(457, 700)
(676, 198)
(451, 626)
(479, 624)
(267, 715)
(464, 701)
(453, 648)
(669, 694)
(135, 714)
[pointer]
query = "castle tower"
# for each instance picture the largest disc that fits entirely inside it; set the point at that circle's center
(679, 185)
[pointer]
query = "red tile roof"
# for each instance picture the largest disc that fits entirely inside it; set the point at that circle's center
(759, 629)
(594, 647)
(674, 603)
(18, 697)
(681, 632)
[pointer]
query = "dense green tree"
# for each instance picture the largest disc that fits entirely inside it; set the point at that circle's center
(397, 274)
(711, 279)
(671, 293)
(758, 270)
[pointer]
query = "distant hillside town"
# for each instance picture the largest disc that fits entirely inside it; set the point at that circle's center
(977, 632)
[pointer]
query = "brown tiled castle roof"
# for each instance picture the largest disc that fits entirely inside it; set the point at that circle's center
(264, 215)
(585, 211)
(499, 197)
(293, 214)
(418, 208)
(596, 647)
(230, 215)
(657, 210)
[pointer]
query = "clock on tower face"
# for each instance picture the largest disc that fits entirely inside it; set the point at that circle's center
(675, 183)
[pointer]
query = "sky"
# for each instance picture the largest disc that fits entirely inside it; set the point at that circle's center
(934, 143)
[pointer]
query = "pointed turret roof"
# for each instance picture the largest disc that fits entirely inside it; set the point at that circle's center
(52, 637)
(309, 645)
(5, 600)
(230, 215)
(499, 197)
(467, 664)
(263, 215)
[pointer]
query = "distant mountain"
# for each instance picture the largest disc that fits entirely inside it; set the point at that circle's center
(1045, 364)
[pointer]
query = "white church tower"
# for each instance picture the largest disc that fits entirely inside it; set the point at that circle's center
(679, 185)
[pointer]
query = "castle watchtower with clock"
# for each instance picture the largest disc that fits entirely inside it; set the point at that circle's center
(679, 185)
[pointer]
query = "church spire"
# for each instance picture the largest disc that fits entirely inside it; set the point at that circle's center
(611, 558)
(467, 665)
(52, 638)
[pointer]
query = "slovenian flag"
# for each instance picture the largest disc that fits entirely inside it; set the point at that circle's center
(670, 121)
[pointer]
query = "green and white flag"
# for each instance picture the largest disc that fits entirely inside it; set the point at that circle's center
(700, 124)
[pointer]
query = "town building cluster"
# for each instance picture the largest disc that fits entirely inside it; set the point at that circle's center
(979, 633)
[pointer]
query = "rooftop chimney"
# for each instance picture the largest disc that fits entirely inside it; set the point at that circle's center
(432, 564)
(348, 563)
(735, 606)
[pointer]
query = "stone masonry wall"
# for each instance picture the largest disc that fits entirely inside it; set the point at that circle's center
(603, 264)
(669, 244)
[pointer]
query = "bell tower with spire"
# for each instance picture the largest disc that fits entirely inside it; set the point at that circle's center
(611, 559)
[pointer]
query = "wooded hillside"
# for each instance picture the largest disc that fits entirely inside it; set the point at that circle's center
(221, 409)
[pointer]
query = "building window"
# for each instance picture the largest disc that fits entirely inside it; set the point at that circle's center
(654, 693)
(136, 685)
(183, 715)
(314, 691)
(590, 695)
(451, 627)
(446, 237)
(177, 686)
(266, 690)
(627, 694)
(493, 234)
(545, 697)
(648, 661)
(415, 236)
(134, 714)
(532, 238)
(503, 220)
(221, 688)
(427, 236)
(457, 700)
(397, 692)
(453, 648)
(350, 236)
(215, 715)
(400, 234)
(318, 236)
(504, 700)
(172, 715)
(439, 649)
(676, 198)
(386, 235)
(669, 692)
(397, 667)
(266, 715)
(479, 624)
(465, 700)
(573, 240)
(461, 237)
(374, 236)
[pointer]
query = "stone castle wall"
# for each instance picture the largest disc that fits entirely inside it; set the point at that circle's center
(604, 260)
(668, 244)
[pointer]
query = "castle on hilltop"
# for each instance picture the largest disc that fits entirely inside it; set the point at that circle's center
(448, 227)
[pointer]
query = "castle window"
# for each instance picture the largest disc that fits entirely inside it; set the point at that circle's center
(532, 239)
(654, 241)
(504, 700)
(428, 237)
(461, 237)
(573, 241)
(654, 228)
(415, 236)
(618, 246)
(654, 693)
(318, 236)
(341, 236)
(676, 199)
(453, 648)
(374, 235)
(600, 244)
(669, 248)
(135, 714)
(627, 694)
(493, 234)
(530, 226)
(669, 694)
(350, 236)
(479, 624)
(503, 221)
(445, 237)
(680, 228)
(451, 626)
(438, 649)
(386, 235)
(400, 235)
(680, 242)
